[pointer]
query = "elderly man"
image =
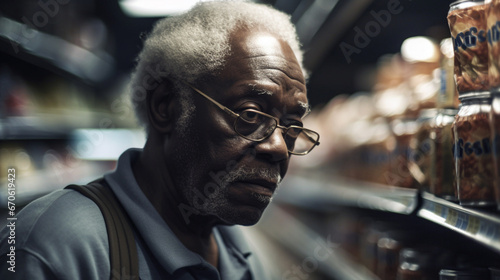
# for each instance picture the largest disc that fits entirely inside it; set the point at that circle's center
(221, 93)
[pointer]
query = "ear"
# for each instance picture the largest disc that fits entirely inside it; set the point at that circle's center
(161, 108)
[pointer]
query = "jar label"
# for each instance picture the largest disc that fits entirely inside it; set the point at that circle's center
(468, 31)
(472, 151)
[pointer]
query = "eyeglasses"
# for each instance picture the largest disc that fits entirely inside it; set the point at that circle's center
(257, 126)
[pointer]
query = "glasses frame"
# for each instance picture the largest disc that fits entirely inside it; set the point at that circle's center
(284, 128)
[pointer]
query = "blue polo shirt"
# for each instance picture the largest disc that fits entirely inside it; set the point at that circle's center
(63, 236)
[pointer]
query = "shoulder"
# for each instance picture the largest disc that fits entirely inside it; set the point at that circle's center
(63, 230)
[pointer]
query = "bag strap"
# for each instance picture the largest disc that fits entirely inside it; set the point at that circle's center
(122, 246)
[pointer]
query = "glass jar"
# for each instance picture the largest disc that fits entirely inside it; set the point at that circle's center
(421, 149)
(495, 135)
(473, 151)
(416, 264)
(467, 22)
(388, 249)
(442, 176)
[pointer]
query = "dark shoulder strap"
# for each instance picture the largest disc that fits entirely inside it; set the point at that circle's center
(122, 247)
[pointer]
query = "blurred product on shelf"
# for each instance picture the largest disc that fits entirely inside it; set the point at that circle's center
(374, 230)
(495, 136)
(418, 264)
(421, 149)
(447, 97)
(443, 178)
(473, 150)
(403, 129)
(442, 182)
(467, 22)
(389, 247)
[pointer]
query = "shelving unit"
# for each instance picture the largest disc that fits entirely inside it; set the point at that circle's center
(325, 195)
(481, 226)
(322, 193)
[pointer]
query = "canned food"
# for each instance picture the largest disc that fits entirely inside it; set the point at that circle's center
(493, 29)
(467, 22)
(495, 134)
(473, 150)
(443, 177)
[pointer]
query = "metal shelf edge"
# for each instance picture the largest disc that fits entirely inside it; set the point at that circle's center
(478, 225)
(322, 194)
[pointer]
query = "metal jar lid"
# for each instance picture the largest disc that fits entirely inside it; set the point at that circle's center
(463, 4)
(474, 95)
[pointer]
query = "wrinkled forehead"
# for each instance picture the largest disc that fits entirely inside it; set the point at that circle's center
(265, 50)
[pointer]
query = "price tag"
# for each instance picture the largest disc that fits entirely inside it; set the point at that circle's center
(438, 210)
(452, 217)
(474, 224)
(489, 230)
(462, 221)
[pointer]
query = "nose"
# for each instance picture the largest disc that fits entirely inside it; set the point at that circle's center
(274, 147)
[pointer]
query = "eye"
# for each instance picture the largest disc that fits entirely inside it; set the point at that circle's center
(294, 132)
(250, 116)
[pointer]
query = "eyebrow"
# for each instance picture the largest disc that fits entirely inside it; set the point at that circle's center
(260, 91)
(305, 108)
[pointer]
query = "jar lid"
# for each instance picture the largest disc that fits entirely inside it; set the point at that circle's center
(474, 95)
(463, 4)
(448, 111)
(418, 256)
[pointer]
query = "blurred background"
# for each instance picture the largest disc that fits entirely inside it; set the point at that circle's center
(376, 71)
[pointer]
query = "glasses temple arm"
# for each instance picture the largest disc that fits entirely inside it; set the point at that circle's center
(222, 107)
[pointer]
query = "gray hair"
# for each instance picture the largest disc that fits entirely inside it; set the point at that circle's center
(195, 45)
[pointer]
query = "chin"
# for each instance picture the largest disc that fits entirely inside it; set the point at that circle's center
(241, 215)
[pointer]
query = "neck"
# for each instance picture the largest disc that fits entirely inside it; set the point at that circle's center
(153, 177)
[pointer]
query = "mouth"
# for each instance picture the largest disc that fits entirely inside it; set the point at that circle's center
(266, 185)
(260, 190)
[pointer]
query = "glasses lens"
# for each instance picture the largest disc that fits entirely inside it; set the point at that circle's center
(300, 141)
(254, 125)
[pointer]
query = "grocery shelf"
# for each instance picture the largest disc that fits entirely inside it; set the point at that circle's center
(481, 226)
(323, 193)
(306, 243)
